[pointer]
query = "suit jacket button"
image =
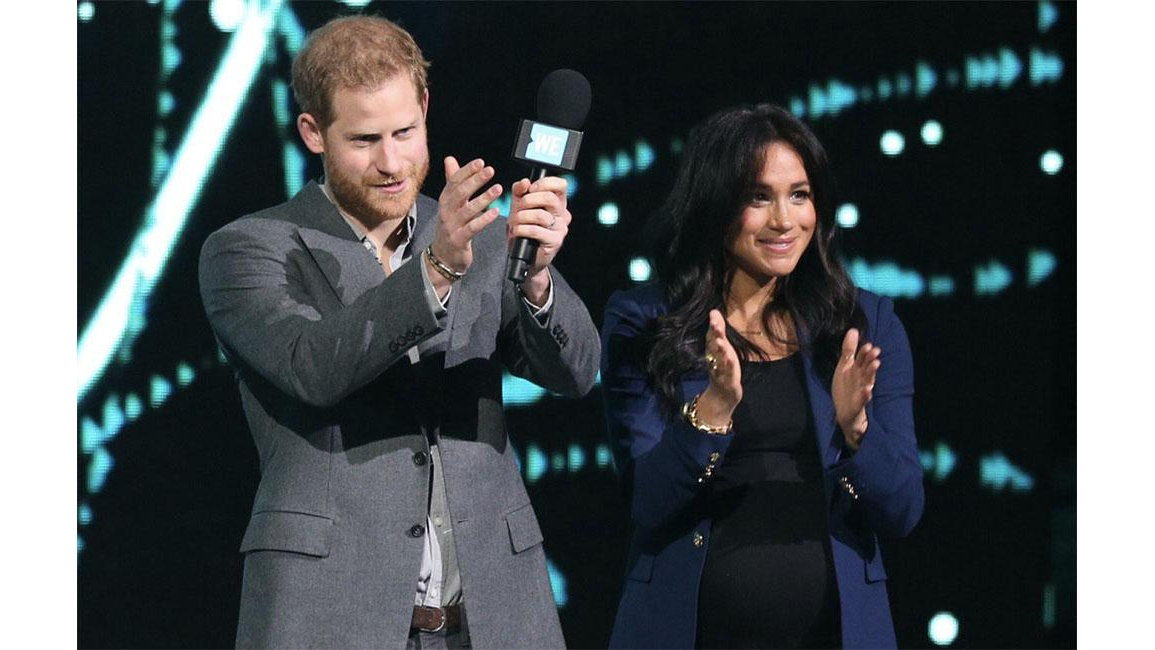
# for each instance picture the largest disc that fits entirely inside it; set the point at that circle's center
(698, 539)
(417, 530)
(393, 347)
(420, 458)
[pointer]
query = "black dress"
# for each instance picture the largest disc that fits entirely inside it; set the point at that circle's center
(769, 576)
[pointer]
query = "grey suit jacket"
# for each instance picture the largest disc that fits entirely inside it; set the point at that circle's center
(318, 337)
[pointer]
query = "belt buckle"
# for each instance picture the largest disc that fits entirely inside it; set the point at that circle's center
(440, 626)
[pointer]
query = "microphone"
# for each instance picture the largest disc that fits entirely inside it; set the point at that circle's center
(549, 143)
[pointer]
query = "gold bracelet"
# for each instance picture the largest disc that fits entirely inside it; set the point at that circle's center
(445, 271)
(690, 412)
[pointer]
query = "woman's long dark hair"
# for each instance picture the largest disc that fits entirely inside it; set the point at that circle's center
(690, 232)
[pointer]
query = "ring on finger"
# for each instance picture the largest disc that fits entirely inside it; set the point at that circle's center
(712, 362)
(552, 221)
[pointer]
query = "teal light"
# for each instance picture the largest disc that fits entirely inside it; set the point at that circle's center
(892, 143)
(903, 85)
(227, 14)
(992, 278)
(133, 407)
(1009, 68)
(847, 215)
(294, 162)
(944, 461)
(98, 468)
(170, 58)
(79, 543)
(91, 435)
(516, 391)
(866, 93)
(113, 417)
(885, 88)
(605, 171)
(925, 79)
(798, 107)
(1045, 67)
(281, 104)
(622, 164)
(356, 4)
(535, 463)
(643, 155)
(160, 390)
(184, 374)
(997, 473)
(557, 582)
(571, 185)
(165, 103)
(84, 514)
(886, 278)
(817, 101)
(577, 457)
(557, 461)
(503, 204)
(1048, 14)
(1040, 265)
(941, 285)
(1051, 162)
(604, 457)
(608, 214)
(931, 133)
(85, 11)
(113, 327)
(640, 269)
(291, 30)
(943, 629)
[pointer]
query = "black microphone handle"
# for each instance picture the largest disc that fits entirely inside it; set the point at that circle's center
(524, 249)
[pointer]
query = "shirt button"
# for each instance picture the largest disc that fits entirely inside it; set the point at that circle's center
(437, 521)
(420, 458)
(417, 530)
(698, 539)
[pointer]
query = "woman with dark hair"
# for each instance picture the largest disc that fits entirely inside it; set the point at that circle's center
(760, 407)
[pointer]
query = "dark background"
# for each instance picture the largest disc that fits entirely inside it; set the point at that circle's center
(157, 541)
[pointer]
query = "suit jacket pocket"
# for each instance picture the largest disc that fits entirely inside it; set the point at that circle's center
(642, 569)
(524, 531)
(296, 532)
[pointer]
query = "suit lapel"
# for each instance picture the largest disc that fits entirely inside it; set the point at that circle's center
(348, 267)
(423, 232)
(822, 410)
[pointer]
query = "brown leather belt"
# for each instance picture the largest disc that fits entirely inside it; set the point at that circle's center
(436, 619)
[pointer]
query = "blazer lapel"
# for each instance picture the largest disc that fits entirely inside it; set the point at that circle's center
(822, 410)
(348, 267)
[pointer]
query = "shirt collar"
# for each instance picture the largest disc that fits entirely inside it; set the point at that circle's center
(359, 230)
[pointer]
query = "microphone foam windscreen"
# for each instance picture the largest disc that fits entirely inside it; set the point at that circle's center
(563, 99)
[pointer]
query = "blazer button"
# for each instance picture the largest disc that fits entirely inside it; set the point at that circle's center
(417, 530)
(698, 539)
(420, 458)
(849, 487)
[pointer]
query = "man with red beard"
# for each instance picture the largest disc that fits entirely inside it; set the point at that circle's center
(369, 325)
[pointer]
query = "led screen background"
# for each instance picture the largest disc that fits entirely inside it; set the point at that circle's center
(951, 130)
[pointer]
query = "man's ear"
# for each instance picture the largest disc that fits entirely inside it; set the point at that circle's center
(310, 133)
(425, 104)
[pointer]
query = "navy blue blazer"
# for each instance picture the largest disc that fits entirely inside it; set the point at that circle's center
(874, 491)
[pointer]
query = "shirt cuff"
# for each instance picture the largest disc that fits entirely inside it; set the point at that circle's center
(540, 313)
(439, 306)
